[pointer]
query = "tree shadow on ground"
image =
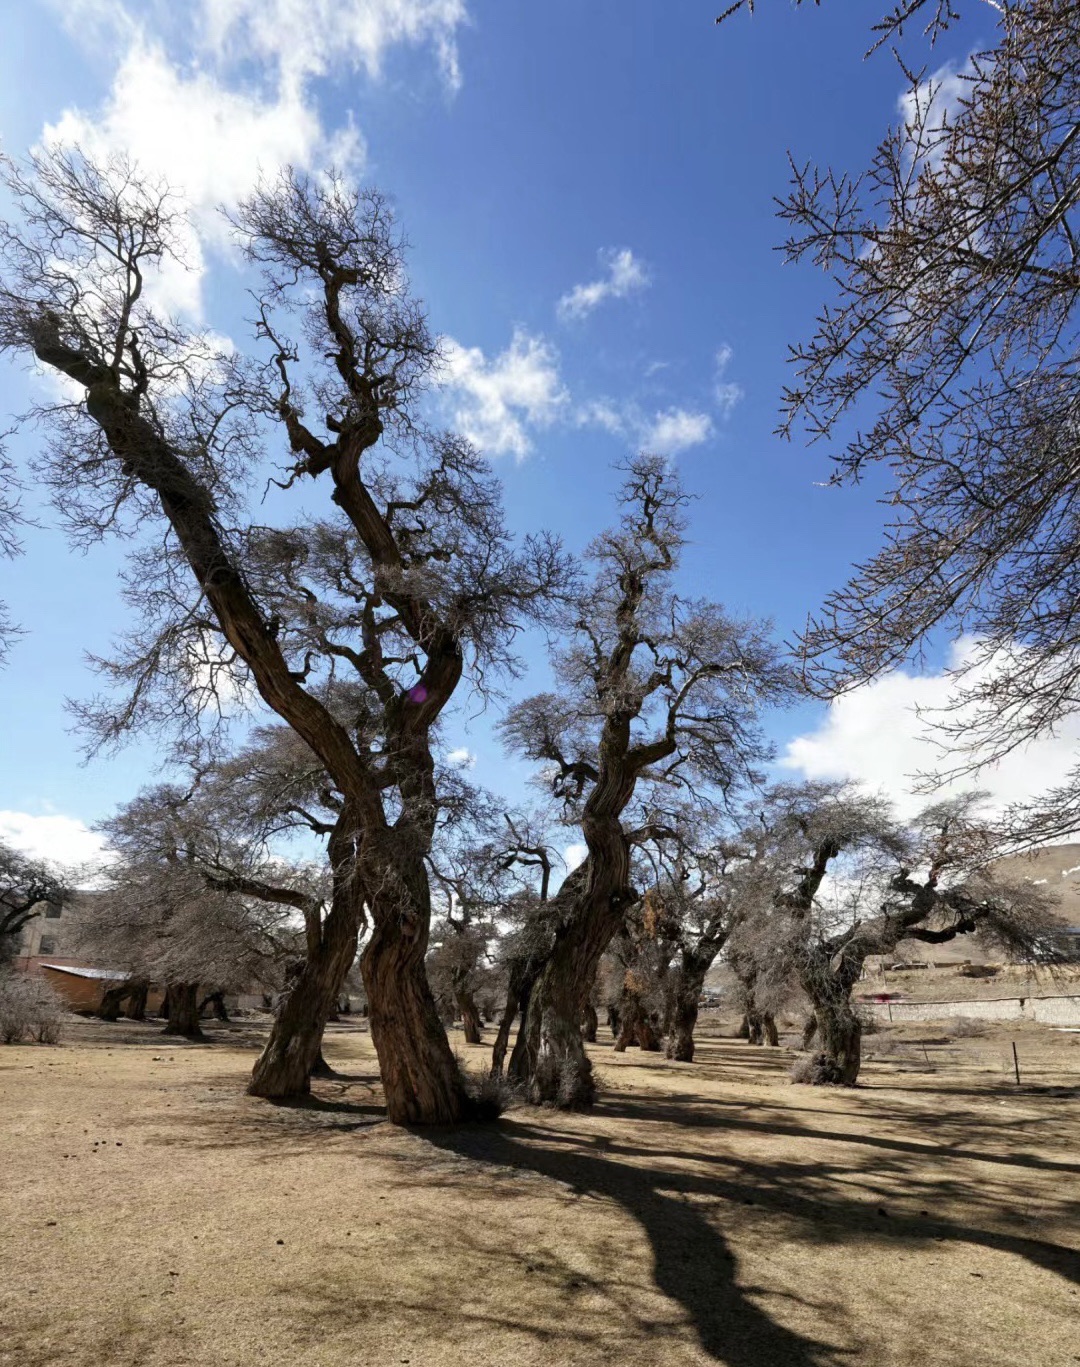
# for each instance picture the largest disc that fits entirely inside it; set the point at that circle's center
(693, 1111)
(677, 1207)
(692, 1263)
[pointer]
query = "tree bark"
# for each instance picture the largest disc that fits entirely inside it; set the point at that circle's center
(183, 1015)
(320, 1068)
(809, 1031)
(680, 1044)
(470, 1017)
(217, 1001)
(683, 1008)
(419, 1073)
(589, 1023)
(136, 1006)
(841, 1041)
(111, 1001)
(506, 1024)
(552, 1063)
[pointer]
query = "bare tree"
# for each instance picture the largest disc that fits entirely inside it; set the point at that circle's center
(654, 690)
(27, 886)
(844, 880)
(530, 860)
(948, 356)
(409, 581)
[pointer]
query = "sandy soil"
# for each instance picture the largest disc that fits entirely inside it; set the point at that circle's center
(153, 1215)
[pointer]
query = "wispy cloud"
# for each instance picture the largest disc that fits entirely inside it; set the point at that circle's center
(727, 393)
(666, 432)
(624, 274)
(308, 38)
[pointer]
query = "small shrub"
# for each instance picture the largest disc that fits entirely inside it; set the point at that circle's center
(29, 1009)
(491, 1094)
(963, 1027)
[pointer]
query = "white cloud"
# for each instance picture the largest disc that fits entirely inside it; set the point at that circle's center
(206, 129)
(676, 430)
(495, 401)
(874, 737)
(574, 856)
(666, 432)
(939, 96)
(59, 839)
(727, 393)
(625, 275)
(461, 758)
(209, 143)
(311, 37)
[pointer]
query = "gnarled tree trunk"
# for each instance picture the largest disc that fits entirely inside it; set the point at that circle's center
(502, 1036)
(636, 1027)
(419, 1073)
(761, 1028)
(840, 1037)
(215, 1000)
(684, 994)
(420, 1076)
(551, 1060)
(183, 1011)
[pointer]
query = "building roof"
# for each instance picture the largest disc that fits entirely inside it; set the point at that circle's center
(112, 974)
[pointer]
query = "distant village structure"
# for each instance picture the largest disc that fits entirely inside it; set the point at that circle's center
(48, 948)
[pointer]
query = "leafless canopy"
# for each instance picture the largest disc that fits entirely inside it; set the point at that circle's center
(26, 885)
(949, 356)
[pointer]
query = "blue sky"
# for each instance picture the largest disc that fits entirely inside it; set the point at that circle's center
(588, 189)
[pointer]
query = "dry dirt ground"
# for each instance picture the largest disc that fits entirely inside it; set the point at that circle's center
(151, 1215)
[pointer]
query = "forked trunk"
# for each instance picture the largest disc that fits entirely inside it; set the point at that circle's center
(636, 1027)
(183, 1013)
(216, 1001)
(589, 1023)
(553, 1064)
(551, 1060)
(762, 1028)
